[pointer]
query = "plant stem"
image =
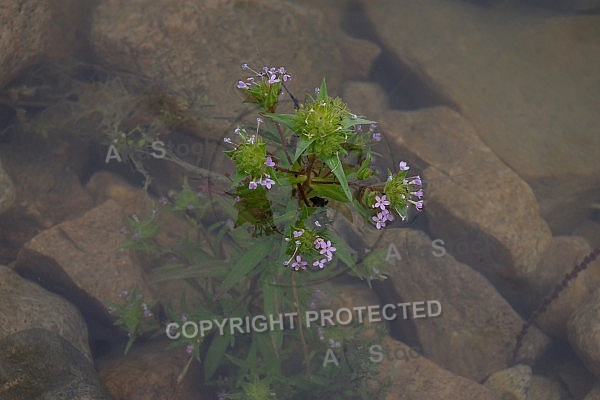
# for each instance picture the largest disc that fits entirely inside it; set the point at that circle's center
(300, 328)
(280, 131)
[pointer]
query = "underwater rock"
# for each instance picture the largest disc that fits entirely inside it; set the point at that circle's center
(527, 78)
(25, 305)
(195, 49)
(584, 333)
(149, 372)
(40, 364)
(561, 257)
(542, 388)
(368, 98)
(81, 260)
(7, 190)
(569, 5)
(475, 334)
(487, 216)
(594, 394)
(33, 30)
(421, 379)
(511, 383)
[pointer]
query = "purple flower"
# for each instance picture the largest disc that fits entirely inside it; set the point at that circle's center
(379, 220)
(298, 233)
(376, 136)
(237, 199)
(320, 263)
(123, 230)
(372, 127)
(190, 207)
(327, 249)
(381, 202)
(418, 193)
(163, 200)
(286, 77)
(184, 318)
(269, 162)
(245, 66)
(317, 90)
(358, 128)
(318, 242)
(299, 263)
(318, 224)
(419, 205)
(252, 185)
(387, 215)
(242, 85)
(273, 79)
(404, 166)
(136, 235)
(189, 348)
(268, 182)
(416, 181)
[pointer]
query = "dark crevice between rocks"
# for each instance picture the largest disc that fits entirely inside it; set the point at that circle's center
(407, 88)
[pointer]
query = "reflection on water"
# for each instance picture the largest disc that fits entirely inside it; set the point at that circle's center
(492, 103)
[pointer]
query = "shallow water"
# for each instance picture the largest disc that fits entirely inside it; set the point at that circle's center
(494, 104)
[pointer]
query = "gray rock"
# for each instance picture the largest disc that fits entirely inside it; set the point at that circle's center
(480, 208)
(7, 190)
(40, 364)
(475, 334)
(24, 305)
(584, 333)
(512, 383)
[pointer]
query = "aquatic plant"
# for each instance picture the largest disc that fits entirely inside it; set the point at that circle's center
(274, 233)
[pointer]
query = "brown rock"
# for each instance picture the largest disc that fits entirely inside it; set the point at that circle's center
(542, 388)
(196, 49)
(7, 190)
(32, 30)
(25, 305)
(594, 394)
(150, 372)
(561, 257)
(472, 197)
(526, 79)
(366, 98)
(421, 379)
(475, 334)
(512, 383)
(584, 333)
(82, 259)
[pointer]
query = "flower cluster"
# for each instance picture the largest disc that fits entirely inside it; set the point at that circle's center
(400, 190)
(306, 247)
(251, 159)
(264, 87)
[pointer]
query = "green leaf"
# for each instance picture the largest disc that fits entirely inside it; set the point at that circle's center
(335, 165)
(334, 192)
(246, 263)
(302, 146)
(347, 122)
(364, 171)
(215, 354)
(288, 120)
(322, 96)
